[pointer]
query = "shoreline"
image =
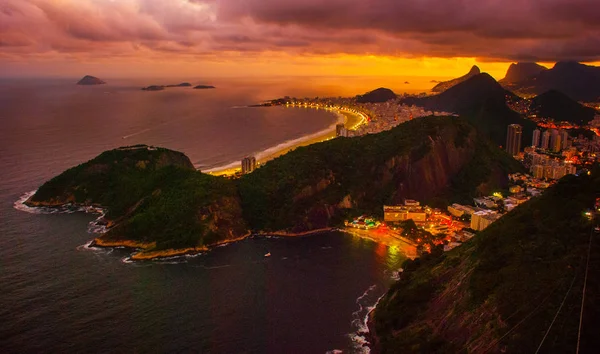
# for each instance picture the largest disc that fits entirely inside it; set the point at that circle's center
(328, 133)
(144, 252)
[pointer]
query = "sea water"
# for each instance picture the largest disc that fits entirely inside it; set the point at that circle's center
(57, 294)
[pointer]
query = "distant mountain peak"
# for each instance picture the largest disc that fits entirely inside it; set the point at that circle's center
(578, 81)
(445, 85)
(474, 70)
(378, 95)
(518, 72)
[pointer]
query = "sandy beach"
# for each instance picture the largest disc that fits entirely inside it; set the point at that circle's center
(351, 121)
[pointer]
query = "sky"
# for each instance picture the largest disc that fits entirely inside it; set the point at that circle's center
(230, 38)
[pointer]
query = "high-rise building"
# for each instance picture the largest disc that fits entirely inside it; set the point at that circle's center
(538, 171)
(553, 136)
(513, 139)
(564, 138)
(536, 138)
(340, 130)
(556, 143)
(545, 140)
(248, 164)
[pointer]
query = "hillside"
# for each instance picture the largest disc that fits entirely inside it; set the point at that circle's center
(560, 107)
(376, 96)
(499, 292)
(445, 85)
(578, 81)
(434, 159)
(155, 198)
(520, 72)
(144, 189)
(482, 101)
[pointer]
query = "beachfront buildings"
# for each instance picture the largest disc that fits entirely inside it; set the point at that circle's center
(340, 130)
(248, 164)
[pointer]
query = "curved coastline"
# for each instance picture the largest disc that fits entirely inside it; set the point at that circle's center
(285, 147)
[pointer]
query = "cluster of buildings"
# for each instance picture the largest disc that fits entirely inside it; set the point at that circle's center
(554, 140)
(381, 116)
(545, 166)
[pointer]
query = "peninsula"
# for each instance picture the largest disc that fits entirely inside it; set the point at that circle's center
(156, 201)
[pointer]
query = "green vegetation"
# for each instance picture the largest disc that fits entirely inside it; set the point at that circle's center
(152, 195)
(306, 188)
(155, 195)
(501, 290)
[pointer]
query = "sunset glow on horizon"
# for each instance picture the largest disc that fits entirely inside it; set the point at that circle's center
(234, 38)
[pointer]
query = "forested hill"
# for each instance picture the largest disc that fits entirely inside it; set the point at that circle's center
(434, 159)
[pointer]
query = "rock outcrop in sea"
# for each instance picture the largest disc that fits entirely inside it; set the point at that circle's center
(90, 80)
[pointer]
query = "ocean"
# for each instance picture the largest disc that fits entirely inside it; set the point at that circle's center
(57, 295)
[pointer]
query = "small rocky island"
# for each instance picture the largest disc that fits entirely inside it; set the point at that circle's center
(200, 87)
(162, 87)
(90, 80)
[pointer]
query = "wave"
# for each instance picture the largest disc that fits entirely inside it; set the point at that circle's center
(283, 146)
(96, 226)
(359, 322)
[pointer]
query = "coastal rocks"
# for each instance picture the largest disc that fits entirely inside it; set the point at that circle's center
(90, 80)
(203, 87)
(153, 88)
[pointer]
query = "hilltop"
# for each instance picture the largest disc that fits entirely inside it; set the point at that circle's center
(482, 101)
(445, 85)
(143, 189)
(379, 95)
(90, 80)
(520, 72)
(558, 106)
(500, 291)
(578, 81)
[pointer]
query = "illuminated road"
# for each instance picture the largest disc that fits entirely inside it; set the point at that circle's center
(387, 237)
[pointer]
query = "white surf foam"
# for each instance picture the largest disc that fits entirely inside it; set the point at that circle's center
(359, 322)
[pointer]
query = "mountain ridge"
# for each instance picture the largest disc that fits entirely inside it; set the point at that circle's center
(445, 85)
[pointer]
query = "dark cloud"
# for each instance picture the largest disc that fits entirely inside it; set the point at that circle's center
(542, 30)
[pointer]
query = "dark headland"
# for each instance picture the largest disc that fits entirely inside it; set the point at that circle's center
(90, 80)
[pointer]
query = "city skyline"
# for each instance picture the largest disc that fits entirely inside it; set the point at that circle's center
(137, 38)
